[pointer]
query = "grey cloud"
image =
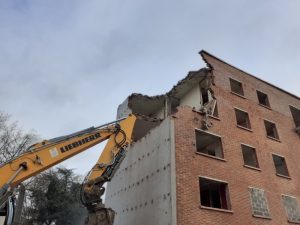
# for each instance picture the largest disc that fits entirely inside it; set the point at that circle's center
(67, 64)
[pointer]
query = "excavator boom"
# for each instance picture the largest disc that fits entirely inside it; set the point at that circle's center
(49, 153)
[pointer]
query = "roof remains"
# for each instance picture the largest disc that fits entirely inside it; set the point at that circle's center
(156, 108)
(148, 105)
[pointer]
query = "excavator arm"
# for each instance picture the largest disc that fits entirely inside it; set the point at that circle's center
(49, 153)
(105, 168)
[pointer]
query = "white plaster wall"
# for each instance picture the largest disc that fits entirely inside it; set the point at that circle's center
(192, 98)
(141, 191)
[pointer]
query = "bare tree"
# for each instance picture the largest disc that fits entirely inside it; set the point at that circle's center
(13, 140)
(51, 197)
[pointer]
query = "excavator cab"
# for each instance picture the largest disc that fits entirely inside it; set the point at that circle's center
(7, 213)
(2, 216)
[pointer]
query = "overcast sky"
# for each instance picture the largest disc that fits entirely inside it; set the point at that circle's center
(67, 64)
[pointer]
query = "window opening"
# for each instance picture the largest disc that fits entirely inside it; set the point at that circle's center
(250, 157)
(271, 130)
(263, 99)
(209, 102)
(208, 144)
(296, 116)
(242, 119)
(280, 165)
(205, 96)
(236, 87)
(214, 194)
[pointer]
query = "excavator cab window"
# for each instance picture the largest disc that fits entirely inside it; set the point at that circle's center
(7, 213)
(3, 213)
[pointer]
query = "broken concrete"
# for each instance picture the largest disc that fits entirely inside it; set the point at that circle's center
(161, 106)
(156, 108)
(143, 190)
(143, 125)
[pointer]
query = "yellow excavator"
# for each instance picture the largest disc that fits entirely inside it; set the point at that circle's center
(49, 153)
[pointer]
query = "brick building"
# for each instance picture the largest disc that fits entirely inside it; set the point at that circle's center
(224, 150)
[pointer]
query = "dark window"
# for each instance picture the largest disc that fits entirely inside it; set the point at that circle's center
(263, 99)
(280, 165)
(214, 194)
(296, 115)
(249, 155)
(271, 130)
(205, 96)
(208, 144)
(242, 118)
(236, 87)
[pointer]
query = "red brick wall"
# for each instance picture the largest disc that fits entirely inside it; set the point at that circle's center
(189, 165)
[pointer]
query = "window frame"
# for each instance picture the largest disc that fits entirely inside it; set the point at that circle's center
(268, 105)
(248, 118)
(207, 93)
(297, 128)
(255, 155)
(222, 158)
(283, 196)
(276, 129)
(250, 190)
(231, 83)
(226, 195)
(285, 164)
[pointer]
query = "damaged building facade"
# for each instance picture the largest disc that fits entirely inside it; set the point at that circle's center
(224, 149)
